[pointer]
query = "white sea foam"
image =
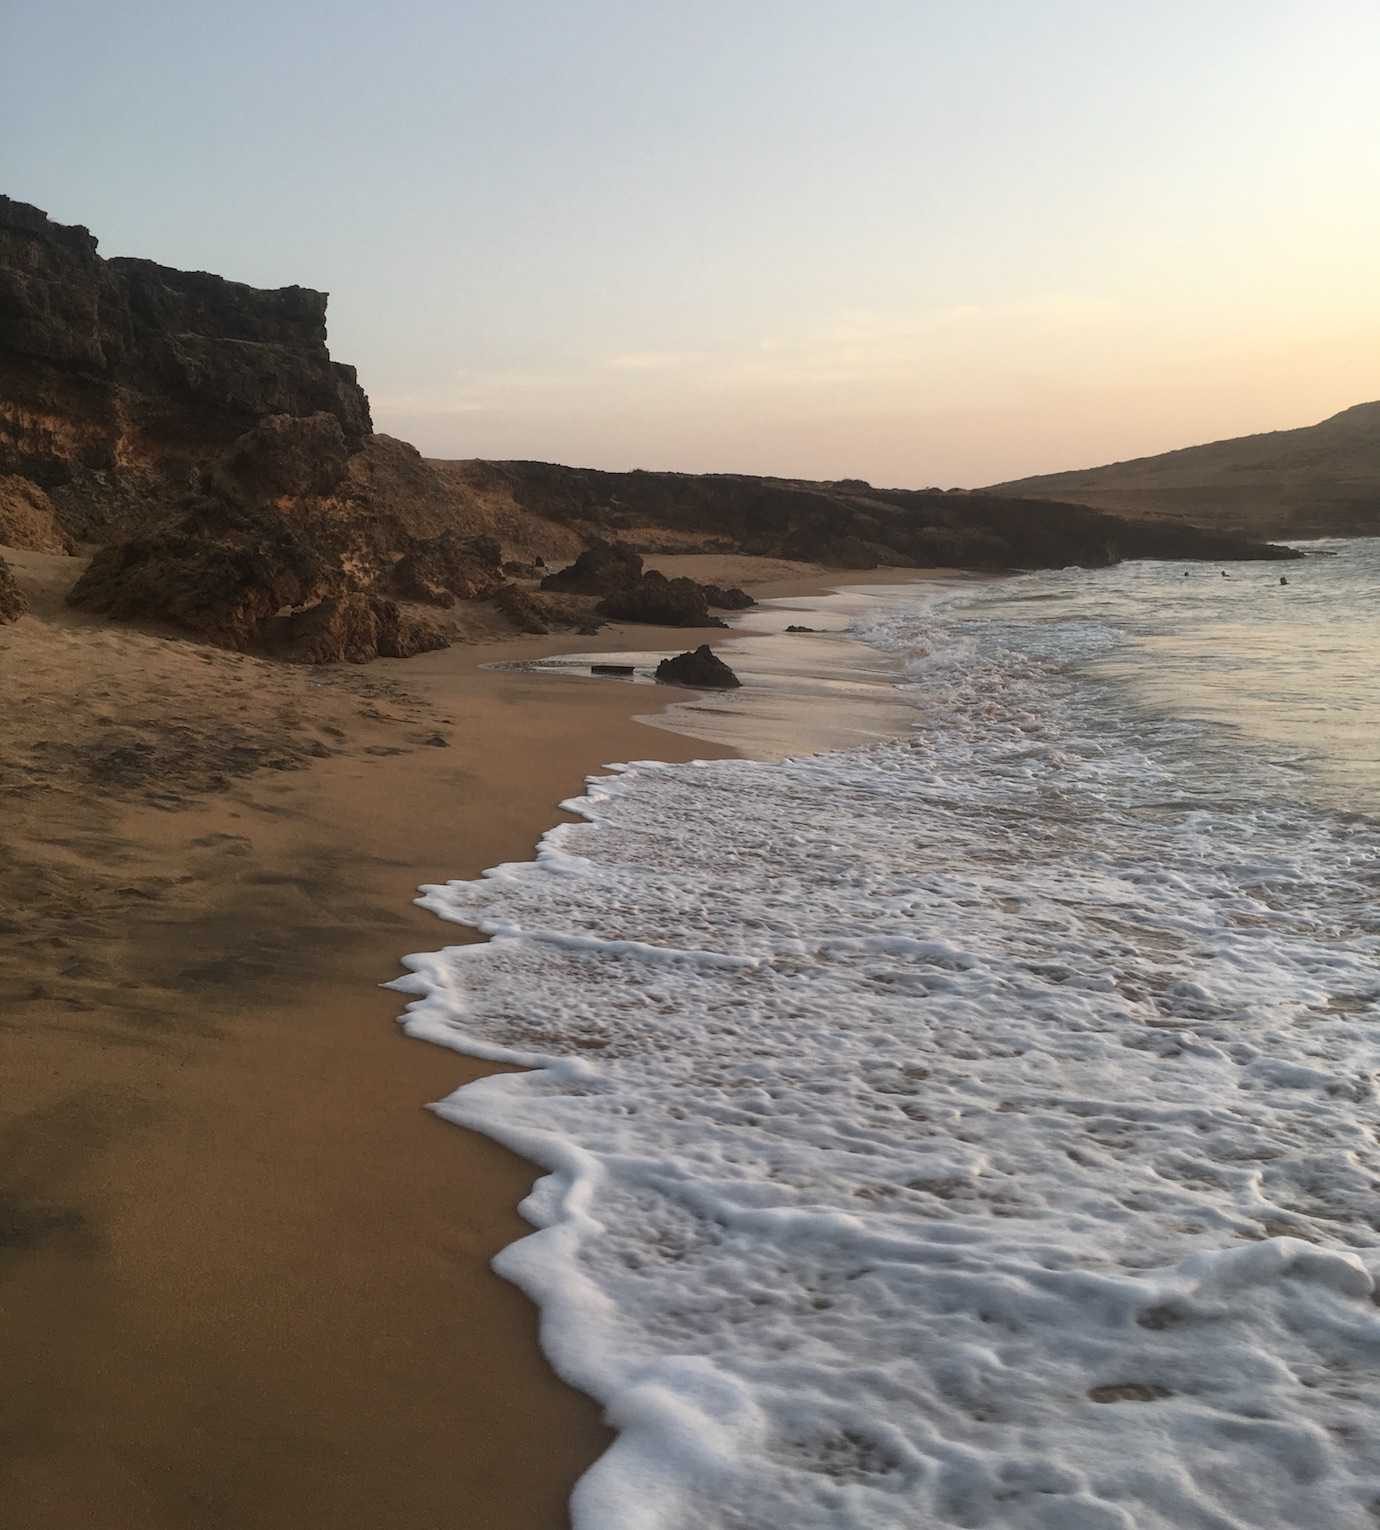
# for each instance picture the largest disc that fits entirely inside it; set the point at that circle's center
(978, 1129)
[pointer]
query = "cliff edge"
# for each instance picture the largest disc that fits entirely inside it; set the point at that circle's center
(118, 377)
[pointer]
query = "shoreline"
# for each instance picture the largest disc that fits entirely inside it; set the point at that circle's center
(246, 1278)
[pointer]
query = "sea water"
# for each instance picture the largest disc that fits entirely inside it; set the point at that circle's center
(977, 1128)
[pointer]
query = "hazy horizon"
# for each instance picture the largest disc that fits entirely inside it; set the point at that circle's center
(891, 241)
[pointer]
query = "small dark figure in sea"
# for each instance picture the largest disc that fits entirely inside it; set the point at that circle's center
(1225, 574)
(1283, 580)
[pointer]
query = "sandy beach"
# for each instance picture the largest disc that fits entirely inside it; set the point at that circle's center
(244, 1274)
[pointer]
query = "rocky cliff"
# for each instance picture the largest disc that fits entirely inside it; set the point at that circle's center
(846, 524)
(118, 377)
(1319, 480)
(199, 429)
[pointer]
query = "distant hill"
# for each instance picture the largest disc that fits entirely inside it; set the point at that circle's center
(1320, 480)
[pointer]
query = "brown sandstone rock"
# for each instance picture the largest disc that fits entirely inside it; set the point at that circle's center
(13, 601)
(354, 628)
(703, 669)
(219, 572)
(603, 568)
(29, 519)
(118, 377)
(285, 456)
(522, 610)
(661, 601)
(449, 567)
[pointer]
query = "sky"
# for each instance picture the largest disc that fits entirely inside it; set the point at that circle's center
(917, 243)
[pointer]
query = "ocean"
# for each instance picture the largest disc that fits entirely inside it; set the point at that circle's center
(976, 1126)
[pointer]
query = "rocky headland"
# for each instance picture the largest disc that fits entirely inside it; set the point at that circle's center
(1318, 481)
(192, 439)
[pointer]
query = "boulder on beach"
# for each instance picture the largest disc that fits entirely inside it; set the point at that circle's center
(219, 572)
(519, 607)
(703, 669)
(601, 569)
(660, 601)
(352, 629)
(729, 598)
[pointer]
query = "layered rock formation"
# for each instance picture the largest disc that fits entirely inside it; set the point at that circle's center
(118, 377)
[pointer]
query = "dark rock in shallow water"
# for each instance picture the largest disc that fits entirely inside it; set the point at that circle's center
(799, 629)
(660, 601)
(13, 601)
(703, 669)
(730, 599)
(601, 569)
(613, 669)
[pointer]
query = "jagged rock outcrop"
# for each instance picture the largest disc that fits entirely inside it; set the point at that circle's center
(703, 669)
(451, 567)
(352, 629)
(603, 568)
(661, 601)
(522, 610)
(220, 571)
(13, 601)
(278, 547)
(729, 598)
(29, 519)
(118, 377)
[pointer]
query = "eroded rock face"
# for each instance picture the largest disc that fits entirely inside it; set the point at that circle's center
(354, 628)
(450, 567)
(285, 457)
(219, 572)
(661, 601)
(703, 669)
(603, 568)
(117, 377)
(29, 519)
(13, 601)
(522, 610)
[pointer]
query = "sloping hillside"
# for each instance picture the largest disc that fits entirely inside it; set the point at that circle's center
(1320, 480)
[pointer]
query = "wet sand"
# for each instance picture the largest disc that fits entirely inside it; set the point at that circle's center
(244, 1275)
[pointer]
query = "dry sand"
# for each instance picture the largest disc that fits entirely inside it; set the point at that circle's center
(244, 1276)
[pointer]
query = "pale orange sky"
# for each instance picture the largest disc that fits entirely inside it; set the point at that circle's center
(906, 241)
